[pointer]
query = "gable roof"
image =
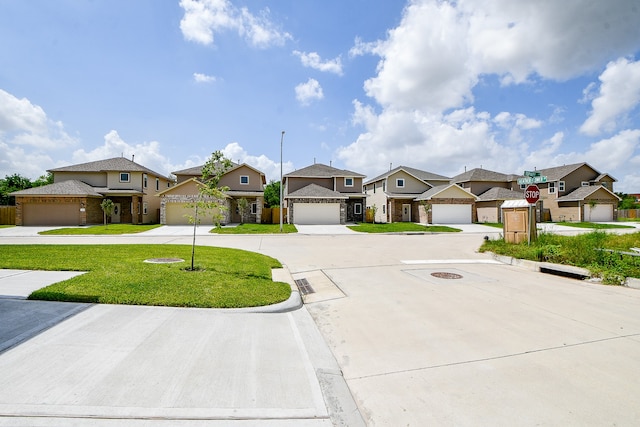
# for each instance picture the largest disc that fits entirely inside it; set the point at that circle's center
(433, 192)
(416, 173)
(314, 191)
(318, 170)
(115, 164)
(558, 172)
(499, 193)
(197, 170)
(71, 187)
(582, 193)
(479, 174)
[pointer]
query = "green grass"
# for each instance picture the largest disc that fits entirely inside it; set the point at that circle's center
(118, 275)
(256, 229)
(584, 250)
(6, 226)
(594, 225)
(400, 227)
(101, 229)
(492, 224)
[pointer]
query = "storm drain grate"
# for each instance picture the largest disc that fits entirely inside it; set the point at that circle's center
(304, 287)
(444, 275)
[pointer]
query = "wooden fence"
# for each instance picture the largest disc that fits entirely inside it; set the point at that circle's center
(7, 215)
(272, 216)
(629, 213)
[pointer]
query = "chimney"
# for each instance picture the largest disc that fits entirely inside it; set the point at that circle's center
(133, 156)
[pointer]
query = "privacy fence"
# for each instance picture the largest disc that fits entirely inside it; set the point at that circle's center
(7, 215)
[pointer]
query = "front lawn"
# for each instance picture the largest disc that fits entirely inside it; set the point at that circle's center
(590, 250)
(117, 274)
(400, 227)
(594, 225)
(101, 229)
(492, 224)
(256, 229)
(6, 226)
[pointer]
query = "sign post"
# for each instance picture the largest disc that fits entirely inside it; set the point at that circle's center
(532, 195)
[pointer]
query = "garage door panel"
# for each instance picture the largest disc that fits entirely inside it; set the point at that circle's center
(598, 213)
(178, 214)
(451, 214)
(316, 213)
(51, 214)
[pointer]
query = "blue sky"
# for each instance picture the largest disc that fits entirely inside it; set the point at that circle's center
(362, 84)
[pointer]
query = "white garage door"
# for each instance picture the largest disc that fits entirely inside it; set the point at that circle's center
(451, 214)
(599, 213)
(316, 213)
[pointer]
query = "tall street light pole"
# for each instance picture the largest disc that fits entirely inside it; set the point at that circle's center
(281, 189)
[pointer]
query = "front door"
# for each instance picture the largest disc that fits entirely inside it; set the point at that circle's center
(115, 215)
(406, 213)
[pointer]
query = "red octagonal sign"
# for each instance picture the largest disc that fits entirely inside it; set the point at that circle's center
(532, 194)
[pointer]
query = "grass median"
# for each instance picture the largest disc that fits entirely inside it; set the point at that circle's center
(255, 229)
(117, 274)
(102, 229)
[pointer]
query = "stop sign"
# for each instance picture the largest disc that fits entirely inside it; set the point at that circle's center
(532, 194)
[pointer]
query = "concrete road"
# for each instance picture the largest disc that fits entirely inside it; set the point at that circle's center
(482, 344)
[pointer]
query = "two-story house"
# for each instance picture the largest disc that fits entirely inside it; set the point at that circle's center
(393, 194)
(321, 194)
(577, 192)
(243, 182)
(77, 191)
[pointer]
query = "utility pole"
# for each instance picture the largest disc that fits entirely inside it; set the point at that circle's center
(281, 189)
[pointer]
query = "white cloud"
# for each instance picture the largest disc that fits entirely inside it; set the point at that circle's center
(271, 168)
(421, 98)
(309, 91)
(146, 153)
(203, 78)
(23, 123)
(203, 18)
(314, 61)
(619, 94)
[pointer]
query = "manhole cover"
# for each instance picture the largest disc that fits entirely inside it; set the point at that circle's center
(443, 275)
(163, 260)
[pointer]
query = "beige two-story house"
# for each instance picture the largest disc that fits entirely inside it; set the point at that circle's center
(77, 191)
(577, 192)
(243, 182)
(392, 195)
(321, 194)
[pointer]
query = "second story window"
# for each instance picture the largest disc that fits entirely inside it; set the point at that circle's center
(244, 179)
(400, 182)
(348, 182)
(561, 186)
(157, 184)
(552, 187)
(145, 180)
(125, 177)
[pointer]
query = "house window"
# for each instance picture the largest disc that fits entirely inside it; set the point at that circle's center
(144, 209)
(145, 180)
(157, 184)
(560, 186)
(357, 209)
(552, 187)
(523, 186)
(400, 182)
(384, 186)
(374, 187)
(383, 208)
(244, 179)
(348, 182)
(254, 208)
(138, 208)
(585, 183)
(125, 177)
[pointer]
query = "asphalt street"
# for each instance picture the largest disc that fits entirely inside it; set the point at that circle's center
(399, 330)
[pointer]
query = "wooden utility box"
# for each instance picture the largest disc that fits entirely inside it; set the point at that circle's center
(518, 218)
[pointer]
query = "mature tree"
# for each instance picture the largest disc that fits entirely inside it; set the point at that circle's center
(272, 194)
(45, 179)
(210, 199)
(10, 184)
(627, 202)
(107, 209)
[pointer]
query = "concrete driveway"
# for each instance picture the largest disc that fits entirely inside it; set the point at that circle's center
(478, 343)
